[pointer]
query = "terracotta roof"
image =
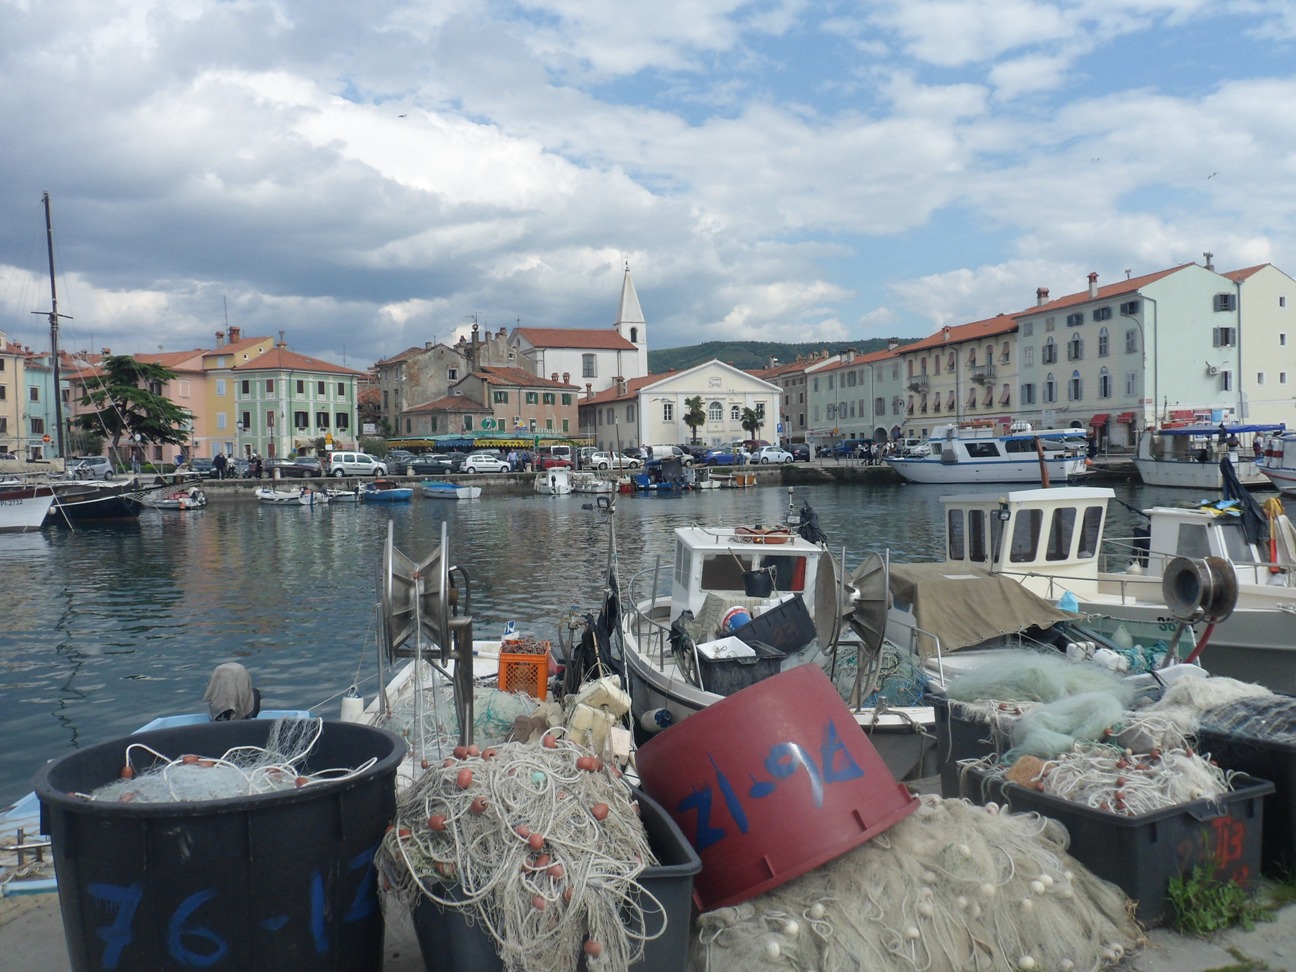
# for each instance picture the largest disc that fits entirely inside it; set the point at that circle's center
(1104, 293)
(451, 403)
(861, 359)
(633, 386)
(1239, 275)
(170, 359)
(990, 327)
(575, 337)
(519, 377)
(401, 356)
(281, 359)
(236, 346)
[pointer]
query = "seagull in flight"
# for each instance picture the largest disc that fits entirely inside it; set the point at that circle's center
(1212, 175)
(400, 116)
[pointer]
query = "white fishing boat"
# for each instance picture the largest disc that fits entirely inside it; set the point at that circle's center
(588, 482)
(291, 497)
(554, 482)
(1278, 461)
(1053, 543)
(745, 603)
(441, 489)
(23, 506)
(981, 454)
(339, 495)
(1188, 455)
(192, 498)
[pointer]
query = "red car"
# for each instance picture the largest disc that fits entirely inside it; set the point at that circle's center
(552, 462)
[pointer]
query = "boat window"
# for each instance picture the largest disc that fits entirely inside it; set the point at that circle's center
(789, 572)
(954, 531)
(723, 572)
(1061, 532)
(976, 536)
(982, 450)
(1192, 541)
(1025, 536)
(996, 538)
(1091, 532)
(681, 565)
(1235, 543)
(1019, 445)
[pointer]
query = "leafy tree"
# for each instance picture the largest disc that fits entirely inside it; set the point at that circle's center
(695, 417)
(127, 400)
(752, 421)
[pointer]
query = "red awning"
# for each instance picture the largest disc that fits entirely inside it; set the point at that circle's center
(1125, 417)
(1099, 419)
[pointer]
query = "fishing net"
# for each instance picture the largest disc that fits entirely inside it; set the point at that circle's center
(150, 777)
(1187, 700)
(538, 844)
(898, 678)
(1036, 676)
(951, 887)
(1052, 729)
(427, 720)
(1268, 717)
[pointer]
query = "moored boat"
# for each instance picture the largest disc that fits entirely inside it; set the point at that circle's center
(981, 454)
(442, 489)
(1053, 542)
(192, 498)
(1188, 455)
(554, 482)
(291, 497)
(23, 506)
(385, 491)
(1276, 460)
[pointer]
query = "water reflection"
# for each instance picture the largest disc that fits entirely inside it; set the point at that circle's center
(106, 627)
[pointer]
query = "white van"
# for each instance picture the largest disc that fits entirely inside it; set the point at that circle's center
(670, 452)
(356, 464)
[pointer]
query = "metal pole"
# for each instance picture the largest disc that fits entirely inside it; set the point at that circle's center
(54, 316)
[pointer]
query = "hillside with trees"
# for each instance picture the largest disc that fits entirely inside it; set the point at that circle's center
(749, 355)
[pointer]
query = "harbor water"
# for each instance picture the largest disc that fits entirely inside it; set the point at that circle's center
(108, 626)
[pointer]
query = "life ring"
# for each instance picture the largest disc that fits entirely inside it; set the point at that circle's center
(763, 535)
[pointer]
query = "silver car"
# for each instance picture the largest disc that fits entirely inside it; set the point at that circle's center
(611, 460)
(90, 467)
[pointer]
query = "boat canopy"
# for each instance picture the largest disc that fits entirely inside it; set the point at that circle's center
(1206, 430)
(964, 605)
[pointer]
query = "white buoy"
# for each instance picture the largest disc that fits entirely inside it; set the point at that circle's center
(353, 707)
(655, 720)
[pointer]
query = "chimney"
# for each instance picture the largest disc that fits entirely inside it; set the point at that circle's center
(427, 345)
(566, 377)
(106, 351)
(946, 331)
(554, 376)
(281, 343)
(1041, 296)
(236, 334)
(1210, 260)
(892, 344)
(589, 389)
(1093, 285)
(220, 339)
(620, 386)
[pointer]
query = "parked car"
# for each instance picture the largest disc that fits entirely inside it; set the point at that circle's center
(800, 452)
(722, 457)
(204, 467)
(434, 465)
(612, 460)
(545, 461)
(91, 467)
(356, 464)
(397, 458)
(484, 462)
(767, 454)
(299, 467)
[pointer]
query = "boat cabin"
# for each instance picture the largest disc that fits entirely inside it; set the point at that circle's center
(739, 562)
(1056, 530)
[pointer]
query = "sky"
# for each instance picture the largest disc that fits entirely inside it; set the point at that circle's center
(367, 177)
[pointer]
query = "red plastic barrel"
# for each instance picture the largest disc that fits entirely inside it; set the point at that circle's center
(769, 783)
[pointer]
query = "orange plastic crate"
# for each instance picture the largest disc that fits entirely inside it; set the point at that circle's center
(524, 673)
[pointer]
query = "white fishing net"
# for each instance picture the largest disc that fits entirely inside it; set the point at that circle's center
(538, 844)
(1036, 677)
(148, 776)
(952, 887)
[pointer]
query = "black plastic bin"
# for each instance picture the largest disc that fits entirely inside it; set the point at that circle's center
(450, 943)
(787, 628)
(725, 676)
(1142, 854)
(276, 881)
(959, 737)
(1269, 760)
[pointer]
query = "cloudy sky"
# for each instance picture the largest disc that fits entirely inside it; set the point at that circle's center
(370, 176)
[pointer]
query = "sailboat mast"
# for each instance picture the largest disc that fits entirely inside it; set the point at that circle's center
(54, 329)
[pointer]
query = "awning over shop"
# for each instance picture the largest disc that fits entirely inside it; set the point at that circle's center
(1126, 417)
(1099, 419)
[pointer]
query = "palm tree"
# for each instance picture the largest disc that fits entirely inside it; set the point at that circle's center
(695, 417)
(752, 421)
